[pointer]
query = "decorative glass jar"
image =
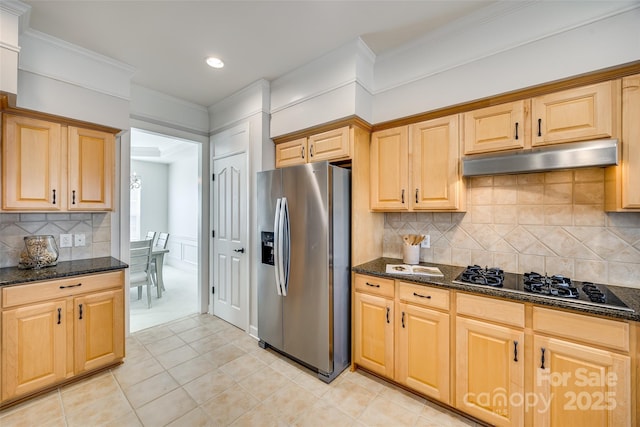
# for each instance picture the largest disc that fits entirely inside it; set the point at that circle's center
(39, 251)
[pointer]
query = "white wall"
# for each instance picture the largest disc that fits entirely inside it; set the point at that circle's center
(154, 195)
(241, 123)
(183, 209)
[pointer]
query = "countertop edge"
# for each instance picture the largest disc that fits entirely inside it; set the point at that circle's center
(10, 276)
(629, 296)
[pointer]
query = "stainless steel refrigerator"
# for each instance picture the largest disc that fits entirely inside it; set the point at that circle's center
(304, 268)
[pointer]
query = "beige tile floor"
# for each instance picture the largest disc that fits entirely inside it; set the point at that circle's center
(201, 371)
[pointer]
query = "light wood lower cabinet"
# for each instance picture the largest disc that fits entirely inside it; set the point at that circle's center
(489, 371)
(99, 322)
(34, 347)
(54, 330)
(373, 325)
(422, 350)
(484, 355)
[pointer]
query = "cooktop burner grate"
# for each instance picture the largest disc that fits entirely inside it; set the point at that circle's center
(483, 276)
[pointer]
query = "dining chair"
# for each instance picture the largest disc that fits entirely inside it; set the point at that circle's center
(160, 245)
(151, 235)
(140, 267)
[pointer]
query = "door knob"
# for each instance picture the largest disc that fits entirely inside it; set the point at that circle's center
(241, 250)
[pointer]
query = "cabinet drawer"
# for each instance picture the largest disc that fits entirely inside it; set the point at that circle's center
(42, 291)
(375, 285)
(424, 295)
(593, 330)
(509, 313)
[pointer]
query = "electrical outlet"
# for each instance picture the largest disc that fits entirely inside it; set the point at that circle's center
(426, 242)
(66, 240)
(79, 240)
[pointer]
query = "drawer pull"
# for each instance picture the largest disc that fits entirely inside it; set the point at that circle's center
(71, 286)
(515, 351)
(542, 357)
(403, 319)
(422, 296)
(373, 285)
(388, 309)
(59, 316)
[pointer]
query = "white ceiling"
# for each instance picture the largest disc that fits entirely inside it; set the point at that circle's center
(168, 41)
(151, 147)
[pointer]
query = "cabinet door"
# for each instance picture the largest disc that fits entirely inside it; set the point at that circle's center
(490, 372)
(496, 128)
(422, 350)
(577, 114)
(580, 385)
(91, 169)
(389, 158)
(630, 142)
(31, 164)
(436, 180)
(373, 329)
(291, 153)
(99, 326)
(331, 145)
(34, 347)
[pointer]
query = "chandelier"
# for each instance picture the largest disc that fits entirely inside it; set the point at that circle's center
(135, 181)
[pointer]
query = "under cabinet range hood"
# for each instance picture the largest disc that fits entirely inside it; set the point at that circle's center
(598, 153)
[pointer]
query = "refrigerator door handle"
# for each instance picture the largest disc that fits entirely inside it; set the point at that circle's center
(286, 247)
(276, 245)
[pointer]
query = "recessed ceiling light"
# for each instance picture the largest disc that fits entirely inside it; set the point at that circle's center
(215, 62)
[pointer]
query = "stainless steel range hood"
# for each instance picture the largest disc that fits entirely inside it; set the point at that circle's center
(599, 153)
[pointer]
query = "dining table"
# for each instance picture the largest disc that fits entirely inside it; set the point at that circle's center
(157, 255)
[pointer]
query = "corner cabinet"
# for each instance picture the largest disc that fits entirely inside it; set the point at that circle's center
(48, 166)
(333, 145)
(55, 330)
(417, 167)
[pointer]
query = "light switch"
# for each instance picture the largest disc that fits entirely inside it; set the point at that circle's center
(426, 242)
(79, 240)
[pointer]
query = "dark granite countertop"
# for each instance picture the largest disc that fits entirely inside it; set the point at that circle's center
(629, 296)
(14, 276)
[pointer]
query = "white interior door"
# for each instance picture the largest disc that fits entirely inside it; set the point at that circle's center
(230, 254)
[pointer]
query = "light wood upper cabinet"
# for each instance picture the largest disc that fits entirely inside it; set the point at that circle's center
(496, 128)
(417, 167)
(583, 113)
(31, 164)
(435, 163)
(291, 153)
(330, 145)
(390, 169)
(91, 169)
(52, 167)
(621, 181)
(334, 145)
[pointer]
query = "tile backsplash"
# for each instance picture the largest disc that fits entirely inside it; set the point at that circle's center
(546, 222)
(15, 226)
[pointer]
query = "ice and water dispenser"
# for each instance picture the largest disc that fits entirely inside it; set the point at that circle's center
(267, 247)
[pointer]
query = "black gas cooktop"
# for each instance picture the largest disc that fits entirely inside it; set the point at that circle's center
(548, 286)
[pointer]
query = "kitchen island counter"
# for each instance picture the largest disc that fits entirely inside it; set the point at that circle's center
(630, 296)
